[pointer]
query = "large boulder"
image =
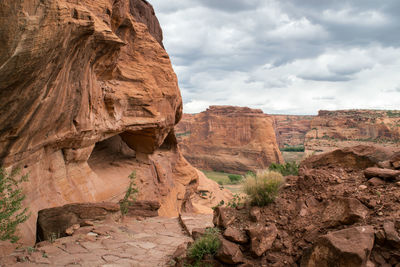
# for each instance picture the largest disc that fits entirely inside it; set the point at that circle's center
(343, 211)
(348, 247)
(261, 238)
(229, 252)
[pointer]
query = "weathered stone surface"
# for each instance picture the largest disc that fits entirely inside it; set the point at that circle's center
(64, 220)
(235, 235)
(344, 211)
(229, 252)
(144, 208)
(376, 181)
(191, 221)
(344, 128)
(386, 174)
(6, 248)
(291, 129)
(223, 217)
(231, 139)
(255, 214)
(88, 95)
(357, 157)
(262, 238)
(349, 247)
(392, 236)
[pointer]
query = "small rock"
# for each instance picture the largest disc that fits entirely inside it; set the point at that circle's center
(87, 223)
(362, 187)
(344, 211)
(262, 238)
(180, 252)
(255, 214)
(223, 217)
(198, 232)
(235, 235)
(229, 252)
(376, 181)
(380, 237)
(396, 164)
(380, 213)
(398, 183)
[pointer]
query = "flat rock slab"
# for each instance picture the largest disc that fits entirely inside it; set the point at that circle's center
(192, 221)
(150, 242)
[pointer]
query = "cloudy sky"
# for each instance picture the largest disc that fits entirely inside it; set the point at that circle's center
(284, 56)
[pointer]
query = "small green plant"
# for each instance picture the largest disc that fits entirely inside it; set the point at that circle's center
(11, 211)
(234, 178)
(208, 244)
(236, 201)
(289, 168)
(221, 203)
(53, 237)
(130, 195)
(264, 187)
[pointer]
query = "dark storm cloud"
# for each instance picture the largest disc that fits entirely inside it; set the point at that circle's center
(244, 52)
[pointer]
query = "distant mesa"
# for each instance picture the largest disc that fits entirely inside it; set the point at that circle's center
(228, 138)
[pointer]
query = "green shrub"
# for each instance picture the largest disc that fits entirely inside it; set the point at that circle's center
(130, 195)
(234, 178)
(11, 212)
(293, 149)
(236, 201)
(264, 187)
(289, 168)
(208, 244)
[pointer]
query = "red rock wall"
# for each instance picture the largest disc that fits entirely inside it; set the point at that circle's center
(291, 129)
(87, 95)
(230, 139)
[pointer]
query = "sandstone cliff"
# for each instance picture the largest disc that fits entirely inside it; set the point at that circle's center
(88, 95)
(230, 139)
(343, 128)
(291, 129)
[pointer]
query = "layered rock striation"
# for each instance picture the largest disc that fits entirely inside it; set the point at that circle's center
(230, 139)
(88, 95)
(335, 129)
(291, 129)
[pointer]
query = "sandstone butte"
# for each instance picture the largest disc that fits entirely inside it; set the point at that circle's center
(88, 95)
(228, 138)
(291, 129)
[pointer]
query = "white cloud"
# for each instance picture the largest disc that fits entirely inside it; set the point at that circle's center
(283, 56)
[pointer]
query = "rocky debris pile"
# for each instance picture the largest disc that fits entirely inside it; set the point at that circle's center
(228, 138)
(332, 214)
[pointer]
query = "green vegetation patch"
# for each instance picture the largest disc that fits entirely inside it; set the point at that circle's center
(208, 244)
(263, 188)
(289, 168)
(223, 178)
(293, 148)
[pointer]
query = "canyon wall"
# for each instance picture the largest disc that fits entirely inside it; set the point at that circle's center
(88, 95)
(229, 139)
(291, 129)
(342, 128)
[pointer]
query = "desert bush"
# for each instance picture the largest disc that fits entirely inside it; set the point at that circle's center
(11, 211)
(208, 244)
(264, 187)
(234, 178)
(236, 201)
(130, 195)
(289, 168)
(293, 149)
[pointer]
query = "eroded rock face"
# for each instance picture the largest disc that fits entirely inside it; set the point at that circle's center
(342, 128)
(88, 95)
(230, 139)
(291, 130)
